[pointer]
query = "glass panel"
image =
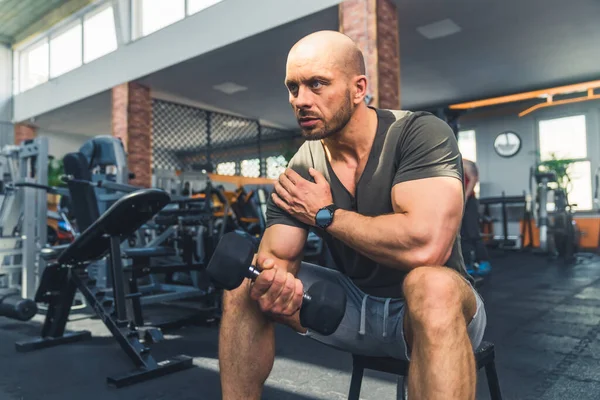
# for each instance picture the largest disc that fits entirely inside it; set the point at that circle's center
(157, 14)
(563, 137)
(580, 189)
(195, 6)
(250, 168)
(275, 166)
(65, 51)
(226, 168)
(99, 34)
(467, 145)
(34, 65)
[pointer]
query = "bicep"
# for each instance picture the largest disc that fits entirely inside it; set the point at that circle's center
(284, 243)
(434, 205)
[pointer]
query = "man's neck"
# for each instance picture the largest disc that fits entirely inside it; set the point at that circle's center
(354, 142)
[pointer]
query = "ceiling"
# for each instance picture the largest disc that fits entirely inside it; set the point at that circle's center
(16, 15)
(503, 47)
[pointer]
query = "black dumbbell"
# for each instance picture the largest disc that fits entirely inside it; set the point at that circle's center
(323, 305)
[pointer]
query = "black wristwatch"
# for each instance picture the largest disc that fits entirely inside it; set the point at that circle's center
(324, 216)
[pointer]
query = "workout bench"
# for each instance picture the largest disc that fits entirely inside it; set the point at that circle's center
(484, 357)
(61, 279)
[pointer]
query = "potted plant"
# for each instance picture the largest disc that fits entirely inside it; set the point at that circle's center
(560, 167)
(55, 171)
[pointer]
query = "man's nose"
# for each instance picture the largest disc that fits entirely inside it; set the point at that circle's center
(304, 98)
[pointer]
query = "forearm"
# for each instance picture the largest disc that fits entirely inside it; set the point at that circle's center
(392, 240)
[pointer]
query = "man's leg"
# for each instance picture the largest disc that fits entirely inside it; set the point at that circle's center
(440, 305)
(246, 344)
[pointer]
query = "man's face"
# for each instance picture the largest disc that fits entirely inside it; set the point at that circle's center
(319, 94)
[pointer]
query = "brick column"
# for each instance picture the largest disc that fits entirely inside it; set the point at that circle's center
(132, 123)
(24, 132)
(373, 24)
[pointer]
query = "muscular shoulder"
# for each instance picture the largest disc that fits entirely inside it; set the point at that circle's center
(309, 155)
(424, 146)
(421, 126)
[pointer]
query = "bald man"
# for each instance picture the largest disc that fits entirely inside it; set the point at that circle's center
(384, 188)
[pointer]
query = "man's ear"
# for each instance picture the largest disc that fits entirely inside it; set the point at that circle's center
(360, 88)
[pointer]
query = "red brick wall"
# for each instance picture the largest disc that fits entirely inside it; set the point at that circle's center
(373, 25)
(132, 122)
(388, 50)
(24, 132)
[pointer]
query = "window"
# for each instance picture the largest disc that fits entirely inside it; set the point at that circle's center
(195, 6)
(467, 145)
(65, 51)
(250, 168)
(153, 15)
(34, 65)
(275, 166)
(566, 138)
(99, 34)
(563, 137)
(226, 168)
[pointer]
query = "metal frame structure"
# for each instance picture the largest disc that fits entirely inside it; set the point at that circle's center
(23, 215)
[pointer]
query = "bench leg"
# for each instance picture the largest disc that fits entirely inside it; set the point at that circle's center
(356, 382)
(402, 388)
(493, 383)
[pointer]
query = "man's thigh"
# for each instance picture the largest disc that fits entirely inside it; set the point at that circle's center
(373, 326)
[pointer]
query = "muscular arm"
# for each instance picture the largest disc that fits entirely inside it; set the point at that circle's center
(421, 231)
(470, 171)
(284, 244)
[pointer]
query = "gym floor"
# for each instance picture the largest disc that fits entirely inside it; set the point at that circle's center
(543, 316)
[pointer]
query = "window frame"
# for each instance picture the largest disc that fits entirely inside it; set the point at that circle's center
(53, 31)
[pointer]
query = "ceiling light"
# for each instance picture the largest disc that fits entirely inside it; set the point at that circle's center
(230, 88)
(439, 29)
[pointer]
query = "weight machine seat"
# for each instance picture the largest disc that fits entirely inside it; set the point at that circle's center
(84, 203)
(146, 252)
(121, 220)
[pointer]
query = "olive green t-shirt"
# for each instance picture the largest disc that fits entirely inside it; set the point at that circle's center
(407, 146)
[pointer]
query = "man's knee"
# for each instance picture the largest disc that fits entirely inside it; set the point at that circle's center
(238, 299)
(435, 296)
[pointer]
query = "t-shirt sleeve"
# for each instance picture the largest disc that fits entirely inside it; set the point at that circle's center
(427, 148)
(276, 215)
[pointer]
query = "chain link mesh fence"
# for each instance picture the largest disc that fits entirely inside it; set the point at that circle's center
(187, 138)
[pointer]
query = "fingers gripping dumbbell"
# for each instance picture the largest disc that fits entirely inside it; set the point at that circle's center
(323, 305)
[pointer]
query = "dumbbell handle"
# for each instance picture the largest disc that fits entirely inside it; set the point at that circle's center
(254, 272)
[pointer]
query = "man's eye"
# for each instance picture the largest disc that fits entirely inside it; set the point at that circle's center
(316, 84)
(293, 88)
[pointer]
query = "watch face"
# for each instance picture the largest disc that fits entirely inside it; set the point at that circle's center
(323, 217)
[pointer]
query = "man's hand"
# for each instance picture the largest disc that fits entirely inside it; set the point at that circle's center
(302, 199)
(277, 291)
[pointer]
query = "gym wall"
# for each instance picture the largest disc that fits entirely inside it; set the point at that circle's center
(511, 175)
(6, 129)
(60, 143)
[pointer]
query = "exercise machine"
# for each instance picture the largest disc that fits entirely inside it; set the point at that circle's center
(174, 242)
(559, 235)
(23, 218)
(68, 273)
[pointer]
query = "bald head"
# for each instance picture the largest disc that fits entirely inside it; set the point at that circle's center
(334, 50)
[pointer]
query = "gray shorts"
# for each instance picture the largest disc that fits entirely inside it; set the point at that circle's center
(373, 326)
